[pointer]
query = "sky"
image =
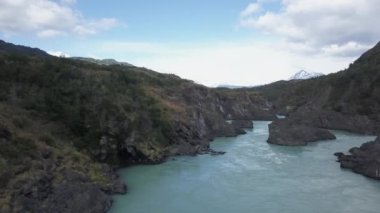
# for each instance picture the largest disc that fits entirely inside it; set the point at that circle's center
(213, 42)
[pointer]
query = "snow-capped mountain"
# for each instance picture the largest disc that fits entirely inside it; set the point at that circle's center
(302, 75)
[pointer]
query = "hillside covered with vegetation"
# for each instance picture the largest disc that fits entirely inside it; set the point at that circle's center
(353, 93)
(66, 123)
(348, 100)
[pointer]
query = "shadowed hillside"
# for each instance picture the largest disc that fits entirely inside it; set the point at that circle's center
(351, 93)
(66, 123)
(348, 100)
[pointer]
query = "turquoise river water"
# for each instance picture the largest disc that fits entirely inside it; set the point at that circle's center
(253, 176)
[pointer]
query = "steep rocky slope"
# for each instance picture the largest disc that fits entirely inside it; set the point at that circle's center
(66, 124)
(363, 160)
(348, 100)
(41, 171)
(288, 132)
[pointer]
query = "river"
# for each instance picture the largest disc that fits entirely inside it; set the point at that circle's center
(253, 176)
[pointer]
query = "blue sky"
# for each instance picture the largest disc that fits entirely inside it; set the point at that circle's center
(171, 21)
(241, 42)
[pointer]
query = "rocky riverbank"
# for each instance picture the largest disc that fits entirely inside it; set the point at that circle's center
(286, 133)
(364, 160)
(66, 125)
(48, 179)
(308, 124)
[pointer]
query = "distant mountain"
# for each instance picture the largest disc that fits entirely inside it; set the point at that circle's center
(302, 75)
(106, 62)
(8, 48)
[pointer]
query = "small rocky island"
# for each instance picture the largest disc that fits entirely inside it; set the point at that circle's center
(288, 133)
(364, 160)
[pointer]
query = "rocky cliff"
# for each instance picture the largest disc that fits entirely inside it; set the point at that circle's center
(364, 160)
(66, 124)
(348, 100)
(289, 132)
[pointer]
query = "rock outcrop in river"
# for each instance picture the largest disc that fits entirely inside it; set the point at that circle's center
(289, 133)
(364, 160)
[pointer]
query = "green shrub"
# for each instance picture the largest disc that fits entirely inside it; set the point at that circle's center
(47, 139)
(3, 164)
(24, 144)
(20, 122)
(96, 174)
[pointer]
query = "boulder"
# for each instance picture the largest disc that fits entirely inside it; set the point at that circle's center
(364, 160)
(214, 153)
(283, 132)
(242, 124)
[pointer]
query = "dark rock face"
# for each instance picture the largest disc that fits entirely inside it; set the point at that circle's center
(69, 197)
(206, 113)
(214, 153)
(4, 133)
(201, 145)
(242, 124)
(352, 123)
(117, 185)
(309, 123)
(245, 105)
(283, 132)
(46, 180)
(364, 160)
(75, 195)
(197, 114)
(44, 192)
(330, 119)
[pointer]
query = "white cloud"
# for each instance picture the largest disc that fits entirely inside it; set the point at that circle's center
(245, 62)
(349, 49)
(68, 1)
(48, 18)
(49, 33)
(142, 48)
(321, 24)
(250, 10)
(241, 63)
